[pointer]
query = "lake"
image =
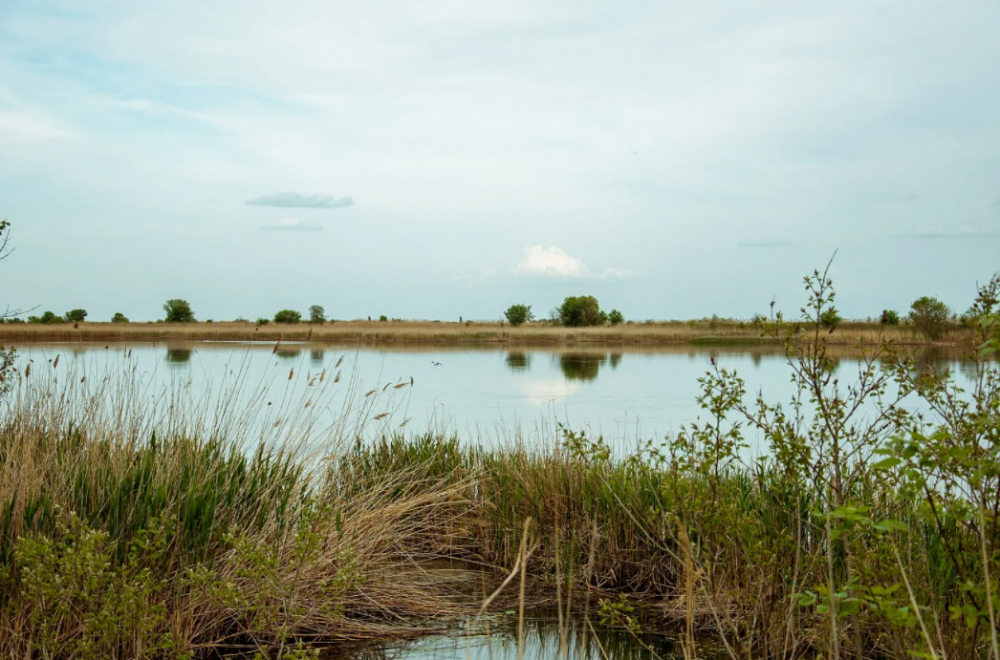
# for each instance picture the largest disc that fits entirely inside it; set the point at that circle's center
(481, 391)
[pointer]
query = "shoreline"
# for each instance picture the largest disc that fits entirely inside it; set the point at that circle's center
(671, 333)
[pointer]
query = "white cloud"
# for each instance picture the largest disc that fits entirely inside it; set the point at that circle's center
(612, 273)
(551, 261)
(298, 200)
(294, 224)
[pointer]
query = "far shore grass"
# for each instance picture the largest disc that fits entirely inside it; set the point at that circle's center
(695, 332)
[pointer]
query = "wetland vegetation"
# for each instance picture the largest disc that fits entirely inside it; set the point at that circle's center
(138, 530)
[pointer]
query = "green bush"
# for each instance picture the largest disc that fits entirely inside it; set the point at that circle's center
(830, 318)
(76, 315)
(578, 311)
(889, 317)
(119, 318)
(930, 316)
(287, 316)
(263, 321)
(518, 314)
(178, 311)
(317, 314)
(615, 317)
(47, 318)
(383, 318)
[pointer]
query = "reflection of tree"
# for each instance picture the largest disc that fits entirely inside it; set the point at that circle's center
(179, 355)
(581, 366)
(615, 359)
(316, 355)
(931, 360)
(518, 361)
(288, 353)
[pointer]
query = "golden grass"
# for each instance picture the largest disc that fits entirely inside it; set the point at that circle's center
(668, 332)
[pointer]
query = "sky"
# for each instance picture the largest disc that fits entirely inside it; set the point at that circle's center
(451, 157)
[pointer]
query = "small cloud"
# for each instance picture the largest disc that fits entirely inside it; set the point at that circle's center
(772, 243)
(946, 234)
(287, 200)
(490, 272)
(294, 224)
(611, 273)
(550, 261)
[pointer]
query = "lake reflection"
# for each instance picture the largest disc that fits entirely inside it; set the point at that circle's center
(542, 641)
(626, 393)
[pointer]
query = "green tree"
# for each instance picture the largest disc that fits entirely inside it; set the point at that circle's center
(615, 317)
(48, 318)
(578, 311)
(830, 318)
(178, 311)
(287, 316)
(119, 318)
(263, 321)
(518, 314)
(889, 317)
(76, 315)
(930, 316)
(317, 314)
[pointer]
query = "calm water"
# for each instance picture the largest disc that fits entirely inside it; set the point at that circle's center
(542, 641)
(479, 391)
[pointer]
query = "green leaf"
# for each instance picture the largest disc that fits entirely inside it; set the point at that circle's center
(887, 463)
(889, 525)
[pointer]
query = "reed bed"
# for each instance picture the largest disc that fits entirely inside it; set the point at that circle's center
(705, 332)
(172, 526)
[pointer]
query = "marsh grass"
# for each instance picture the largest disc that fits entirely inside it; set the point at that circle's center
(652, 332)
(180, 524)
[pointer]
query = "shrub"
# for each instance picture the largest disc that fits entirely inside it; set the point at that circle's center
(383, 318)
(615, 317)
(930, 316)
(178, 311)
(263, 321)
(889, 317)
(76, 315)
(577, 311)
(518, 314)
(287, 316)
(119, 318)
(830, 318)
(47, 318)
(317, 314)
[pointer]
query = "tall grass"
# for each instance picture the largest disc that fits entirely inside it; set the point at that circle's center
(178, 524)
(652, 332)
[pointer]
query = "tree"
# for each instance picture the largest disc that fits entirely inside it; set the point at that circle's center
(48, 318)
(263, 321)
(317, 314)
(615, 317)
(119, 318)
(889, 317)
(75, 315)
(287, 316)
(518, 314)
(830, 318)
(930, 316)
(577, 311)
(178, 311)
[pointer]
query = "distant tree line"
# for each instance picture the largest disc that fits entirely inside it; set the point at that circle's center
(575, 312)
(927, 315)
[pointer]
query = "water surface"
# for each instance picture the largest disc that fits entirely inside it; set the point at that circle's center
(479, 391)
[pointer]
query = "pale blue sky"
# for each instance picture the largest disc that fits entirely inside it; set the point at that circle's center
(450, 157)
